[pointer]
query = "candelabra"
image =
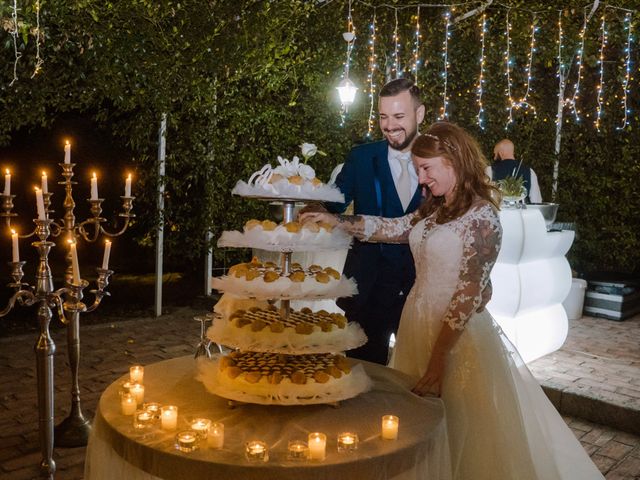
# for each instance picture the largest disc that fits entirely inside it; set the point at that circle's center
(74, 430)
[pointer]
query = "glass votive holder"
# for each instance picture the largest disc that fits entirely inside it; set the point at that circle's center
(297, 450)
(137, 391)
(201, 427)
(169, 417)
(142, 420)
(187, 441)
(317, 446)
(256, 451)
(347, 442)
(215, 439)
(124, 388)
(128, 404)
(390, 427)
(153, 408)
(136, 374)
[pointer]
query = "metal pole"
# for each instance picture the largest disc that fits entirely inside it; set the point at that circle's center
(208, 264)
(162, 138)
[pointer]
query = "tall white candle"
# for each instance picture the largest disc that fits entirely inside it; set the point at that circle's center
(317, 446)
(40, 204)
(67, 152)
(215, 439)
(45, 184)
(7, 182)
(128, 404)
(94, 186)
(105, 265)
(15, 253)
(390, 427)
(137, 391)
(75, 267)
(127, 186)
(136, 374)
(169, 417)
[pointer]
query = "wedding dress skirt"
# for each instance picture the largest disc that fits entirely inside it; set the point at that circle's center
(501, 425)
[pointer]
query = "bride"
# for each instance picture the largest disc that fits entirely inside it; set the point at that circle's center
(501, 425)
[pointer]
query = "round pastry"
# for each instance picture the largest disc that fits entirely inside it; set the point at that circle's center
(251, 224)
(293, 227)
(269, 225)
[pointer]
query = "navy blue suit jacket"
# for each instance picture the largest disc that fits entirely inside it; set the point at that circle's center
(366, 180)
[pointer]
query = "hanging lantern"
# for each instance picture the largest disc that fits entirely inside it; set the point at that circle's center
(347, 92)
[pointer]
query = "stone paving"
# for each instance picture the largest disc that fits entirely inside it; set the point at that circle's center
(600, 361)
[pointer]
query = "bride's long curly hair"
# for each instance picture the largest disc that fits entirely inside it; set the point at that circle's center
(462, 152)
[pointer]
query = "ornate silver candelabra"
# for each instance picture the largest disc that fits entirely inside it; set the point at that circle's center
(74, 430)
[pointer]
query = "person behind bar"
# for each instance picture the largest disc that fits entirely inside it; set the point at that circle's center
(505, 165)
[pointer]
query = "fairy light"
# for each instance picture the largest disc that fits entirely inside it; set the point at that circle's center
(480, 88)
(507, 63)
(396, 49)
(603, 42)
(444, 110)
(416, 49)
(373, 64)
(627, 69)
(524, 103)
(14, 34)
(39, 60)
(573, 101)
(561, 72)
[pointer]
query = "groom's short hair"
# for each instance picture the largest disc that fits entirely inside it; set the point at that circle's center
(399, 85)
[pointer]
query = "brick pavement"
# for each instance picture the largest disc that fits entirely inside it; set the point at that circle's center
(109, 349)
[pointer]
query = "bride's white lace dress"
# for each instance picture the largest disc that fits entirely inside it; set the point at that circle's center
(501, 425)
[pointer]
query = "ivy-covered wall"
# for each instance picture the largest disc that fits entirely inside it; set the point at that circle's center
(244, 81)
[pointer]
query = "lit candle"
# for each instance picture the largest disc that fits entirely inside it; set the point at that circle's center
(201, 426)
(45, 184)
(127, 186)
(7, 182)
(297, 450)
(215, 439)
(137, 391)
(67, 152)
(153, 408)
(40, 204)
(136, 373)
(390, 427)
(257, 451)
(187, 441)
(94, 186)
(15, 252)
(128, 404)
(75, 267)
(317, 446)
(169, 417)
(142, 419)
(124, 388)
(347, 442)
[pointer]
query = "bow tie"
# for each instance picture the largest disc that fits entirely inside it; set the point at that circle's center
(402, 157)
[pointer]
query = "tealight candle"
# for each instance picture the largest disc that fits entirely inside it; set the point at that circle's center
(317, 446)
(298, 450)
(153, 408)
(347, 442)
(201, 426)
(128, 404)
(187, 441)
(215, 439)
(136, 373)
(256, 451)
(390, 427)
(142, 419)
(169, 417)
(137, 391)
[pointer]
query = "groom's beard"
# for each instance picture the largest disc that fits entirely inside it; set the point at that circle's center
(409, 137)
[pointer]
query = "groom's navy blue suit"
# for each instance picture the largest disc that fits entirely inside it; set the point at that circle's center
(384, 272)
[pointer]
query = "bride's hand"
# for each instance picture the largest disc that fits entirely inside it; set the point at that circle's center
(431, 382)
(318, 217)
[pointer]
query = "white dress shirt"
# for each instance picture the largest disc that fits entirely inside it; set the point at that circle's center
(396, 168)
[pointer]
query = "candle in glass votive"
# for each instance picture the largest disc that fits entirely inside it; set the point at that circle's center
(347, 442)
(124, 388)
(7, 182)
(201, 426)
(94, 186)
(256, 451)
(40, 204)
(136, 373)
(169, 417)
(142, 419)
(317, 446)
(390, 427)
(153, 408)
(45, 184)
(15, 252)
(187, 441)
(67, 152)
(215, 439)
(105, 257)
(297, 450)
(75, 267)
(127, 186)
(137, 391)
(128, 404)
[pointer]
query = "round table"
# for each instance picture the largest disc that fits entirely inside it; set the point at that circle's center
(421, 451)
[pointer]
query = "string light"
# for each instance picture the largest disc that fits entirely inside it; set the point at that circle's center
(572, 102)
(416, 49)
(480, 88)
(523, 103)
(39, 60)
(373, 64)
(396, 50)
(561, 71)
(603, 42)
(14, 34)
(444, 110)
(627, 69)
(347, 89)
(507, 63)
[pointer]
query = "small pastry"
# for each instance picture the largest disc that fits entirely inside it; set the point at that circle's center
(323, 313)
(311, 226)
(253, 377)
(241, 271)
(298, 378)
(325, 326)
(277, 327)
(275, 378)
(316, 182)
(304, 328)
(321, 377)
(270, 265)
(235, 268)
(241, 322)
(296, 180)
(253, 274)
(306, 310)
(333, 272)
(298, 276)
(315, 268)
(327, 226)
(271, 276)
(257, 325)
(226, 362)
(333, 371)
(343, 364)
(275, 178)
(296, 266)
(268, 225)
(293, 227)
(233, 372)
(251, 224)
(321, 277)
(255, 261)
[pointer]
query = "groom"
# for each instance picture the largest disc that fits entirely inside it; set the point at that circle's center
(380, 180)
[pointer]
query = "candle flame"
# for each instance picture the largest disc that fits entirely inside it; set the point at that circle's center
(7, 171)
(13, 232)
(93, 175)
(44, 173)
(66, 142)
(129, 176)
(108, 242)
(36, 189)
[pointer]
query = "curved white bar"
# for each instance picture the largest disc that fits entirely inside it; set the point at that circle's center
(530, 280)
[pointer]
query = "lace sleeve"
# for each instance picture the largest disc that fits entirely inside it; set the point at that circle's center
(482, 235)
(386, 230)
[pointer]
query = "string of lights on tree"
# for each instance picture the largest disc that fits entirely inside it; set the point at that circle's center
(444, 111)
(627, 71)
(572, 102)
(416, 49)
(373, 65)
(480, 88)
(600, 87)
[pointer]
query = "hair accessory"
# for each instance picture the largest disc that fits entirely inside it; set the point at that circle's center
(442, 140)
